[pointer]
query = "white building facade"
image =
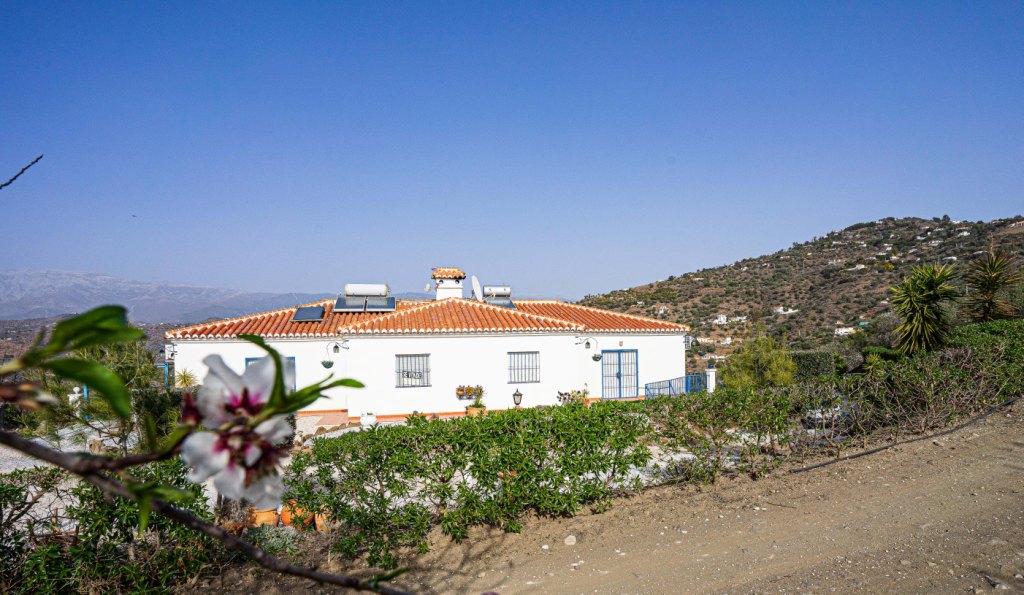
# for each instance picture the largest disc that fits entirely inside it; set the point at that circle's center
(413, 356)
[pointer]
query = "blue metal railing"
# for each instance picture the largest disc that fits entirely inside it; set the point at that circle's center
(691, 383)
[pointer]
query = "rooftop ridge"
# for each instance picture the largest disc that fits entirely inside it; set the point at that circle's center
(609, 312)
(178, 331)
(389, 315)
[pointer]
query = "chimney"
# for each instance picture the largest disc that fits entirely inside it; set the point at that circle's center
(448, 282)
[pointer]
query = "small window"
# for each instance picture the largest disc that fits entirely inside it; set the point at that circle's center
(412, 370)
(523, 366)
(289, 366)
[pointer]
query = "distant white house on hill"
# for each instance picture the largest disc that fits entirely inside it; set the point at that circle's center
(413, 355)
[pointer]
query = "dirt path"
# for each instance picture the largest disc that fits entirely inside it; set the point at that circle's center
(942, 516)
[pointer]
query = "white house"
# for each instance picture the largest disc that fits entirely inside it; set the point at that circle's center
(413, 354)
(845, 331)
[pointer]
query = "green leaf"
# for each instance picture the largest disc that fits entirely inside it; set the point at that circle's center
(100, 326)
(144, 493)
(308, 395)
(145, 507)
(175, 437)
(96, 376)
(152, 442)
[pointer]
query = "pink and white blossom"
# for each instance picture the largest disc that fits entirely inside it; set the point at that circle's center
(242, 457)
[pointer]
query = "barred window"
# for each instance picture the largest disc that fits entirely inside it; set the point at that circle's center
(412, 370)
(523, 366)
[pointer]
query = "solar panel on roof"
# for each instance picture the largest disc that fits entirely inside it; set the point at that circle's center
(380, 304)
(309, 314)
(504, 302)
(348, 304)
(360, 303)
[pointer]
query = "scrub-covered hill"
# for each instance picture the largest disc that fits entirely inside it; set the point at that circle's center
(833, 281)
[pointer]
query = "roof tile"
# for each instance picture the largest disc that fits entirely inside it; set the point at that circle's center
(454, 315)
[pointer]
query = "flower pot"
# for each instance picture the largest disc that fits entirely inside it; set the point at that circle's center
(475, 411)
(293, 516)
(367, 419)
(256, 518)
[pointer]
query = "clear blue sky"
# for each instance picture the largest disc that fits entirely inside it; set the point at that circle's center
(564, 148)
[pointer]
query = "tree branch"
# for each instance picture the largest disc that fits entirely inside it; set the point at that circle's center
(23, 170)
(88, 471)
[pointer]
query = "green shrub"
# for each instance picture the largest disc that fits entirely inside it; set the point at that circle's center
(744, 426)
(883, 353)
(103, 551)
(988, 335)
(21, 517)
(387, 485)
(811, 364)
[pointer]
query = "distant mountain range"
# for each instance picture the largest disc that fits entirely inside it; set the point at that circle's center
(28, 293)
(837, 280)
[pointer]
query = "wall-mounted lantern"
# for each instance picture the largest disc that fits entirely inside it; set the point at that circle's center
(517, 398)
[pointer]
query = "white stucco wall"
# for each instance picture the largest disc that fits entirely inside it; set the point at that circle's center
(454, 360)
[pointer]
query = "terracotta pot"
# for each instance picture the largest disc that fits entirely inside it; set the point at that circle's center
(256, 518)
(475, 411)
(292, 516)
(234, 528)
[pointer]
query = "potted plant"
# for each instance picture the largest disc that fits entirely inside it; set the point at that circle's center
(477, 407)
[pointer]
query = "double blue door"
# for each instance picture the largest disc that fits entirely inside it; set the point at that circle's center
(619, 379)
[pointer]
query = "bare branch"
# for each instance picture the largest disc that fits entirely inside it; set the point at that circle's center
(72, 462)
(23, 170)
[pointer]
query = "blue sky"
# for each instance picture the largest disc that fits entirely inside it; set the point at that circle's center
(563, 148)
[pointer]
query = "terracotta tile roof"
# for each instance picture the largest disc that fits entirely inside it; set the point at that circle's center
(448, 273)
(278, 323)
(597, 320)
(456, 315)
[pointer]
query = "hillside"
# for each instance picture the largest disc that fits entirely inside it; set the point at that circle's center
(833, 281)
(45, 293)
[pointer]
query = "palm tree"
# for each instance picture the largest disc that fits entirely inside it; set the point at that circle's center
(988, 278)
(186, 379)
(918, 302)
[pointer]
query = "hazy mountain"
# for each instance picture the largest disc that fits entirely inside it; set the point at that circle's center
(28, 293)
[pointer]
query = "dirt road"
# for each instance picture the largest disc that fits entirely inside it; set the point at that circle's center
(940, 516)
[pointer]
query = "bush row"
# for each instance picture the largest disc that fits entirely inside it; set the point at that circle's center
(387, 485)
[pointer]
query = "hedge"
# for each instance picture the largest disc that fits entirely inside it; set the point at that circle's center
(811, 364)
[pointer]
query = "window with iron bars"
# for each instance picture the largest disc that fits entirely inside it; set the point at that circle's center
(523, 366)
(412, 370)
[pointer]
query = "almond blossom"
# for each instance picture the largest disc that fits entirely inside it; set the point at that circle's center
(242, 454)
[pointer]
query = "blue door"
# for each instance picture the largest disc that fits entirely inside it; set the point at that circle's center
(619, 379)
